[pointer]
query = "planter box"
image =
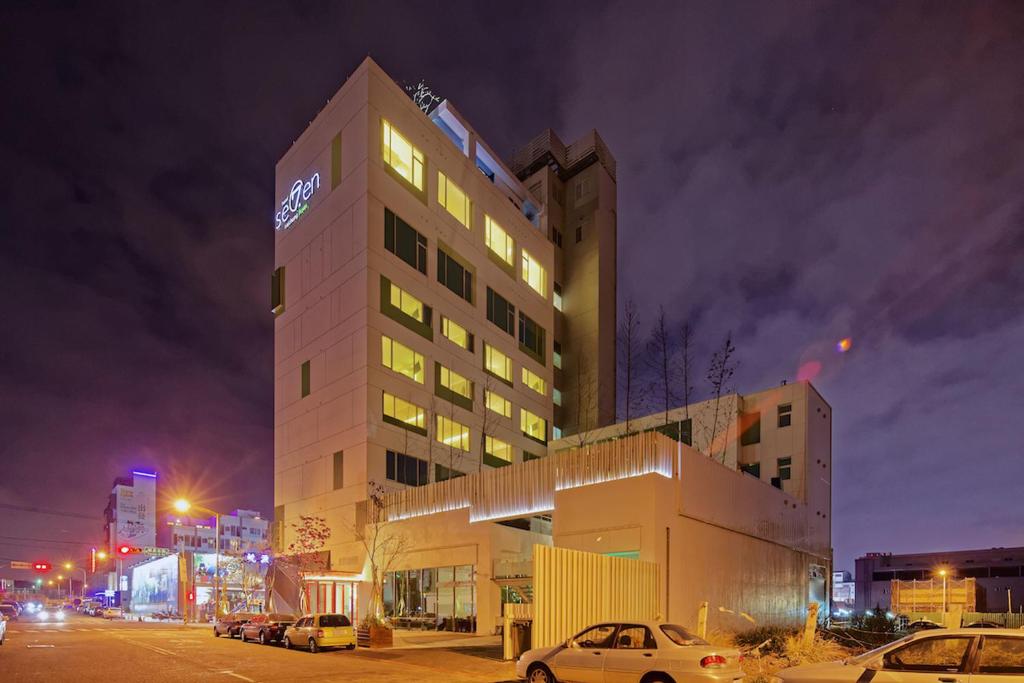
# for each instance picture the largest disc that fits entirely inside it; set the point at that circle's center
(374, 636)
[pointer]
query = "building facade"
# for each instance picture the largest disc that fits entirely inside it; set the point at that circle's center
(240, 532)
(998, 575)
(444, 338)
(129, 518)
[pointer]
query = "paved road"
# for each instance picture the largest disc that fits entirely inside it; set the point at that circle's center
(86, 649)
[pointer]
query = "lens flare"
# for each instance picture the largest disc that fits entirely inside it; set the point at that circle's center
(844, 345)
(808, 371)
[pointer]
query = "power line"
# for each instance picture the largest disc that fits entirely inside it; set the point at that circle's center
(39, 540)
(41, 511)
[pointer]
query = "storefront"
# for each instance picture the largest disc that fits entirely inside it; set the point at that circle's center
(328, 593)
(438, 598)
(242, 586)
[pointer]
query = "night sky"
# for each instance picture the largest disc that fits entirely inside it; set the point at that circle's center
(794, 172)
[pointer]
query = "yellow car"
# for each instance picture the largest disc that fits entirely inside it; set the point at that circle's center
(317, 631)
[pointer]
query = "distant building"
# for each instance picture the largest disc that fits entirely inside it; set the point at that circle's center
(129, 518)
(843, 592)
(999, 575)
(241, 531)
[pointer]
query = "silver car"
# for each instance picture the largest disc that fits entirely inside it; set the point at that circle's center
(958, 655)
(628, 652)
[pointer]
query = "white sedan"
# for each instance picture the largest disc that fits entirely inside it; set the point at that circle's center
(959, 655)
(626, 652)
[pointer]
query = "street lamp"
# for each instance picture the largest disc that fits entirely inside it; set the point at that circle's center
(943, 573)
(183, 506)
(85, 579)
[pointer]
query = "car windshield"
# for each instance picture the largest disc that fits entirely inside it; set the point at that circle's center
(275, 616)
(334, 620)
(871, 654)
(680, 636)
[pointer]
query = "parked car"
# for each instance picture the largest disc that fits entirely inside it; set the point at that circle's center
(9, 612)
(983, 624)
(112, 613)
(922, 625)
(266, 628)
(318, 631)
(946, 655)
(3, 629)
(230, 624)
(631, 651)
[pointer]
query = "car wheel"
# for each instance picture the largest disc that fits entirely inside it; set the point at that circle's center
(350, 647)
(287, 644)
(241, 635)
(313, 647)
(216, 633)
(263, 637)
(538, 673)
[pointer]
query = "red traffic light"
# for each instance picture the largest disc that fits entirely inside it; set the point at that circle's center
(123, 550)
(191, 596)
(42, 566)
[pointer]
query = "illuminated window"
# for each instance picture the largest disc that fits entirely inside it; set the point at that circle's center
(498, 448)
(535, 382)
(451, 433)
(499, 241)
(535, 275)
(558, 296)
(456, 333)
(401, 359)
(401, 156)
(556, 396)
(451, 197)
(557, 357)
(407, 303)
(404, 414)
(556, 432)
(456, 383)
(497, 403)
(533, 426)
(497, 363)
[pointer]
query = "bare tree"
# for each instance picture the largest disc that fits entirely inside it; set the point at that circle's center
(685, 366)
(486, 421)
(628, 345)
(660, 349)
(585, 395)
(720, 373)
(384, 546)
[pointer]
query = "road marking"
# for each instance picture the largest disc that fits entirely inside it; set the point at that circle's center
(39, 646)
(232, 673)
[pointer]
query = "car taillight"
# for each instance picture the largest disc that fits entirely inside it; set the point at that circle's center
(320, 633)
(712, 662)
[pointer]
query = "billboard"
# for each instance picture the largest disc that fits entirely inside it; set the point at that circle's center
(136, 511)
(155, 586)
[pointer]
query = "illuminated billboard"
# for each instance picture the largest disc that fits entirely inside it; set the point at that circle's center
(155, 586)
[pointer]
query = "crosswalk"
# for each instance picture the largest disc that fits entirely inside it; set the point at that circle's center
(88, 629)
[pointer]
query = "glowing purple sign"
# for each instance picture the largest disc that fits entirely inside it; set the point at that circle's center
(297, 201)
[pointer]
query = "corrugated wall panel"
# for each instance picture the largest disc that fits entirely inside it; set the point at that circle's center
(573, 589)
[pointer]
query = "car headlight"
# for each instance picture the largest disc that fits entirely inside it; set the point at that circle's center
(59, 616)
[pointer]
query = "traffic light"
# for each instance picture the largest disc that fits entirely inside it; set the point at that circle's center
(42, 566)
(191, 596)
(124, 550)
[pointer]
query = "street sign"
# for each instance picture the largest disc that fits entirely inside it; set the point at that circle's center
(21, 565)
(156, 552)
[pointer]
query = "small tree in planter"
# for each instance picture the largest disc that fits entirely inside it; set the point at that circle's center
(384, 546)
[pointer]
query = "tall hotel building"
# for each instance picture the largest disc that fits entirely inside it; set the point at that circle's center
(439, 314)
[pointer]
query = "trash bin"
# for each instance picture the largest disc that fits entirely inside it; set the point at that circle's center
(521, 636)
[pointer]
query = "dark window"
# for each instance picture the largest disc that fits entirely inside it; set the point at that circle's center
(785, 415)
(402, 240)
(339, 470)
(452, 275)
(532, 337)
(681, 430)
(305, 379)
(753, 469)
(750, 424)
(579, 233)
(277, 291)
(1001, 655)
(785, 467)
(556, 236)
(941, 655)
(1005, 572)
(881, 576)
(406, 469)
(442, 473)
(501, 312)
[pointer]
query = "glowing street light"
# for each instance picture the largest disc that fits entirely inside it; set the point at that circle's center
(943, 573)
(182, 505)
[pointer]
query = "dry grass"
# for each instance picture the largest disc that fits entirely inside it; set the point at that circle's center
(759, 668)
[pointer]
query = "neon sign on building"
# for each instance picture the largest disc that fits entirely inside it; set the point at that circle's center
(297, 202)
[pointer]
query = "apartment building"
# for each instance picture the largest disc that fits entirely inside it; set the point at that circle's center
(444, 330)
(240, 532)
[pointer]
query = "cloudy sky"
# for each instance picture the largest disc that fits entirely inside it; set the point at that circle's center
(796, 172)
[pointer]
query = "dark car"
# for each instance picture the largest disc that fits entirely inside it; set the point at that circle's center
(267, 628)
(9, 611)
(230, 624)
(984, 624)
(922, 625)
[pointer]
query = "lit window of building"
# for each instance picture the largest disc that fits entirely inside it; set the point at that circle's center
(533, 426)
(498, 403)
(403, 413)
(498, 448)
(557, 357)
(497, 363)
(456, 383)
(456, 333)
(557, 296)
(534, 274)
(451, 433)
(401, 156)
(451, 197)
(499, 241)
(556, 396)
(407, 303)
(535, 382)
(400, 358)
